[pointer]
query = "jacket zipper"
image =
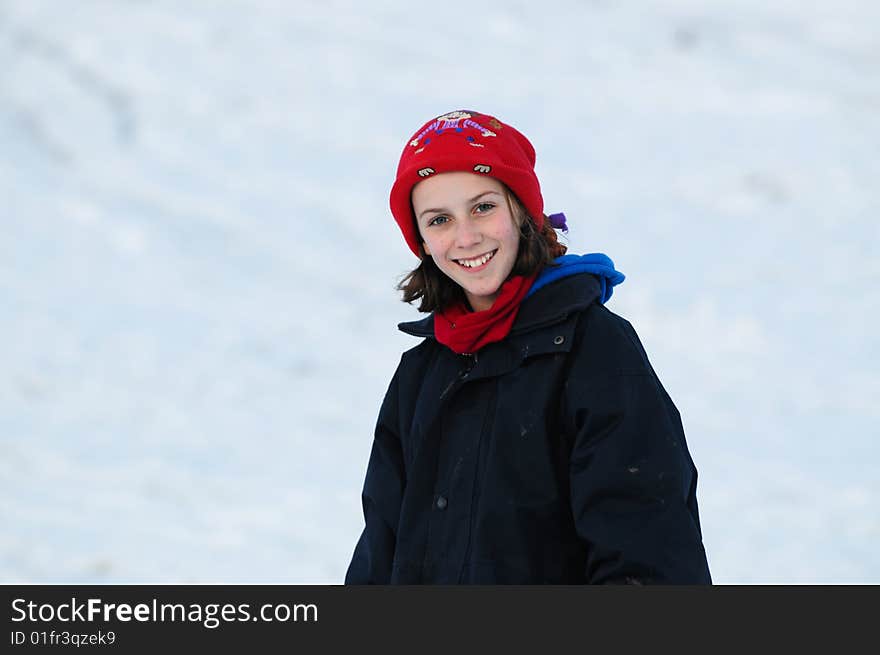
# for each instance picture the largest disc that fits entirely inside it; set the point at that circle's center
(471, 362)
(456, 382)
(471, 359)
(478, 479)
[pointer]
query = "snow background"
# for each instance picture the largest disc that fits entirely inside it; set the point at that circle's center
(197, 262)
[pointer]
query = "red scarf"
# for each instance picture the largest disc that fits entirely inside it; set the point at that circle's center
(465, 331)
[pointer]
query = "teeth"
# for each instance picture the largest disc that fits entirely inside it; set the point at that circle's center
(479, 261)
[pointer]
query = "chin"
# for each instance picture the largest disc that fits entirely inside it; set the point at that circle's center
(483, 291)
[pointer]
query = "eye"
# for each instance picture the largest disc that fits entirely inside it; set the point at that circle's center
(483, 207)
(438, 220)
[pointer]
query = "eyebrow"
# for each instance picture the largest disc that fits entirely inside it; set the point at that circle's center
(474, 199)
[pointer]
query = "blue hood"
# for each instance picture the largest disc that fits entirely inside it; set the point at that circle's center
(596, 263)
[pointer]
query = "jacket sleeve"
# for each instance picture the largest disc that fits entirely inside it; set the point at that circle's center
(633, 483)
(381, 498)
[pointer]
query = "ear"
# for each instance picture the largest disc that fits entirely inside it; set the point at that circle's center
(426, 248)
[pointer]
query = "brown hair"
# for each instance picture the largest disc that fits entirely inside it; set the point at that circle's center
(537, 249)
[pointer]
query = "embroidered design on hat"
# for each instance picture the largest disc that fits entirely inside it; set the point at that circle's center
(452, 121)
(482, 168)
(425, 172)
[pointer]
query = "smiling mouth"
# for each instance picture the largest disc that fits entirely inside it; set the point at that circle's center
(476, 262)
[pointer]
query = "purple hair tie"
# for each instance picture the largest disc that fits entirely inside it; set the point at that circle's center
(558, 221)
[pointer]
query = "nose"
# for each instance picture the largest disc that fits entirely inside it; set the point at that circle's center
(467, 234)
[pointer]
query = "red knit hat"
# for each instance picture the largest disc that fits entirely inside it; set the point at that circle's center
(468, 141)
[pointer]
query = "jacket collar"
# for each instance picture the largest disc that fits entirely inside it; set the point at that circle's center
(548, 305)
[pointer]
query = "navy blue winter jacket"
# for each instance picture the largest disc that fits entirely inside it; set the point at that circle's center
(552, 457)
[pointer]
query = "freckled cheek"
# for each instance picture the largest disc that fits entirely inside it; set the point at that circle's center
(438, 248)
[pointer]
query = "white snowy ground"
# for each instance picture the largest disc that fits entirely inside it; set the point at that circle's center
(197, 313)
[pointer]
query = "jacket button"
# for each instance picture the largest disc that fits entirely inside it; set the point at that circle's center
(441, 502)
(558, 340)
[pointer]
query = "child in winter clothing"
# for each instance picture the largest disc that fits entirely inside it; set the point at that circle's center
(526, 439)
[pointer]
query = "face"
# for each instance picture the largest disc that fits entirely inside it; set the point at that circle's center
(467, 229)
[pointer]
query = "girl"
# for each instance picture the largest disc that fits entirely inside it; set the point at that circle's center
(526, 439)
